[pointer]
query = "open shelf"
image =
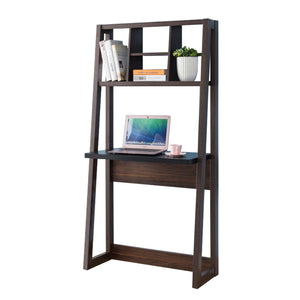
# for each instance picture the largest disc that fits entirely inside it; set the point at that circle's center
(149, 83)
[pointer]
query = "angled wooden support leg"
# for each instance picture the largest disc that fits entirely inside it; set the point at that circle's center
(197, 259)
(89, 260)
(198, 280)
(108, 168)
(214, 197)
(90, 214)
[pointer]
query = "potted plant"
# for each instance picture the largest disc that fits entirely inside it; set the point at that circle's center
(187, 63)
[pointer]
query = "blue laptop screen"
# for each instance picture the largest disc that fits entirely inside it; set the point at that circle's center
(146, 131)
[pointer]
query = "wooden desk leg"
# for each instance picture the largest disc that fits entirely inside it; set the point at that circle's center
(109, 208)
(89, 262)
(197, 260)
(90, 214)
(198, 277)
(108, 168)
(214, 201)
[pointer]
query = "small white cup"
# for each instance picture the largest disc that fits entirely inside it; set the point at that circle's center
(175, 149)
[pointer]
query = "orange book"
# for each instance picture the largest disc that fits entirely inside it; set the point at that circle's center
(150, 72)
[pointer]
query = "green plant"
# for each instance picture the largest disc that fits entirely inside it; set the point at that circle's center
(186, 51)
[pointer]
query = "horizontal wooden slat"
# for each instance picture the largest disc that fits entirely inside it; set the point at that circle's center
(158, 174)
(150, 83)
(150, 54)
(154, 24)
(157, 258)
(98, 260)
(206, 276)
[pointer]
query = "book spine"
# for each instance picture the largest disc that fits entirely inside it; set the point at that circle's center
(110, 58)
(149, 72)
(149, 77)
(105, 61)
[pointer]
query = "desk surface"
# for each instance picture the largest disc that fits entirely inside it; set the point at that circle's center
(189, 158)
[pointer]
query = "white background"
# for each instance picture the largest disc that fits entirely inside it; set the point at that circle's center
(46, 76)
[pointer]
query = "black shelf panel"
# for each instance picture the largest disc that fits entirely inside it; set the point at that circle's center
(189, 158)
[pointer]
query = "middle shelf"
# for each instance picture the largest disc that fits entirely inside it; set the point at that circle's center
(150, 83)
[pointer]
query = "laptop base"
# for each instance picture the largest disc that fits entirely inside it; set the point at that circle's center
(135, 151)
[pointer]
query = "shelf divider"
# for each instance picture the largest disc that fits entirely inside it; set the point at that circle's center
(135, 45)
(175, 42)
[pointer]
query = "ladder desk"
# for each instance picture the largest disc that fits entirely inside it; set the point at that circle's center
(197, 170)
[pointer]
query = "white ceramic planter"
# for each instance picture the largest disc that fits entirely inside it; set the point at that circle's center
(187, 68)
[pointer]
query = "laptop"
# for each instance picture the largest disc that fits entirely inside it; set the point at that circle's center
(145, 135)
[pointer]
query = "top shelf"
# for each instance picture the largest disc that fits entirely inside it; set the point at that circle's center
(154, 24)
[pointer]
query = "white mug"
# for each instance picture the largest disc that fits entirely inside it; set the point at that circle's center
(175, 149)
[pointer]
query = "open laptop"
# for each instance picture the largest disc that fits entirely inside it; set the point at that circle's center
(146, 135)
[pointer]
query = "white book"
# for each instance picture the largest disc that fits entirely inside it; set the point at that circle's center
(120, 54)
(105, 61)
(149, 77)
(110, 57)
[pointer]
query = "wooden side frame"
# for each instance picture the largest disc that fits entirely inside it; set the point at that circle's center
(209, 62)
(198, 233)
(214, 129)
(89, 260)
(92, 180)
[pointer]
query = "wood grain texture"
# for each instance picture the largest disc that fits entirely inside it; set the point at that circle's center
(157, 174)
(157, 258)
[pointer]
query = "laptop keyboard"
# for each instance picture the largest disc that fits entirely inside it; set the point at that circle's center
(137, 151)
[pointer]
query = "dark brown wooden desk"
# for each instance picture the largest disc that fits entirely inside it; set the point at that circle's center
(195, 170)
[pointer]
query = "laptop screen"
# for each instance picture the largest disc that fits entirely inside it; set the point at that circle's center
(146, 131)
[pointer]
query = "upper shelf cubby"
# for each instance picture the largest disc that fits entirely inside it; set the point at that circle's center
(151, 46)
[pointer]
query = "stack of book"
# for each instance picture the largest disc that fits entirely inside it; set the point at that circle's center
(115, 58)
(149, 75)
